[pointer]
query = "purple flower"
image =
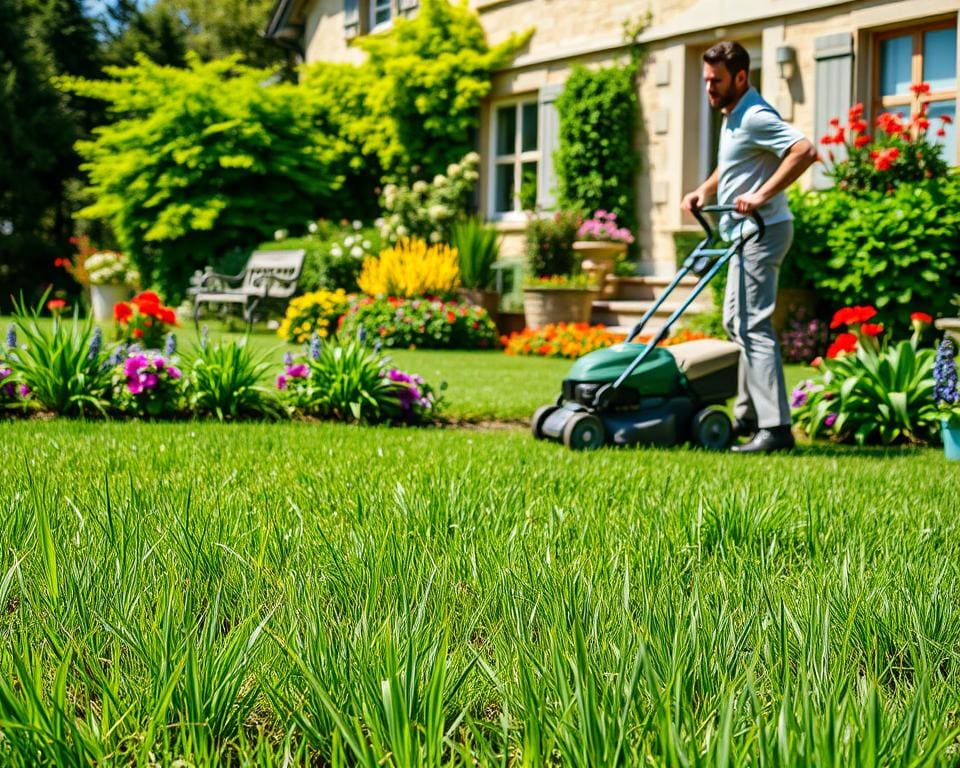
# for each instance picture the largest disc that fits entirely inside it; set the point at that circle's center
(799, 395)
(134, 385)
(9, 389)
(96, 344)
(830, 419)
(173, 372)
(24, 390)
(170, 346)
(11, 336)
(4, 372)
(298, 371)
(281, 382)
(149, 380)
(288, 358)
(135, 363)
(158, 363)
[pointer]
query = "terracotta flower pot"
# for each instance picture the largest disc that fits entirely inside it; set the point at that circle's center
(542, 306)
(598, 257)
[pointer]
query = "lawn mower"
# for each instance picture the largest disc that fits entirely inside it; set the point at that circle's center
(642, 394)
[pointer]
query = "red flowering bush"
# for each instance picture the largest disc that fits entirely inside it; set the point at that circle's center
(144, 319)
(869, 390)
(896, 152)
(424, 323)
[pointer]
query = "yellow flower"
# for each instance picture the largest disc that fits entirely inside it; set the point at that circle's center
(411, 268)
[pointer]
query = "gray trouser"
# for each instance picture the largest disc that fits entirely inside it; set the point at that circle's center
(748, 318)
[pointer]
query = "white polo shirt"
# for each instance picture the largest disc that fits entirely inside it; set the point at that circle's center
(753, 140)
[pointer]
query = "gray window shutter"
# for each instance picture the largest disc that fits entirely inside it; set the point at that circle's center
(351, 17)
(833, 91)
(549, 130)
(408, 5)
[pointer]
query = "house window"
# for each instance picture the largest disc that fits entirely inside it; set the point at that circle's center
(381, 13)
(516, 156)
(921, 54)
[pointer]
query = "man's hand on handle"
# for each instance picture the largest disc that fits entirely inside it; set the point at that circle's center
(749, 202)
(693, 200)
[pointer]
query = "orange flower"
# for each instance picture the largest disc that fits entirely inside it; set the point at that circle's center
(137, 333)
(56, 305)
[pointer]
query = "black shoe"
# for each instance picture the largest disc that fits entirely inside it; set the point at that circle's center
(768, 441)
(744, 428)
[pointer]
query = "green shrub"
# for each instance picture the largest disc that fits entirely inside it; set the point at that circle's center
(478, 246)
(202, 160)
(549, 244)
(348, 381)
(226, 381)
(413, 107)
(597, 160)
(896, 250)
(64, 367)
(421, 323)
(148, 384)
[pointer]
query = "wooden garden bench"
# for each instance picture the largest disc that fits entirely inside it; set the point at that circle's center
(268, 275)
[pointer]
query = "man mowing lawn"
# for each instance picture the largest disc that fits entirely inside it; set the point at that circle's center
(760, 155)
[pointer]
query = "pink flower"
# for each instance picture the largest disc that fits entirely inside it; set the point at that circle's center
(173, 372)
(298, 371)
(281, 382)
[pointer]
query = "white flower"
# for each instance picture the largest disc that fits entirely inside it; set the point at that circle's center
(336, 251)
(471, 158)
(420, 187)
(438, 212)
(471, 175)
(395, 219)
(379, 222)
(356, 252)
(312, 227)
(402, 231)
(453, 170)
(439, 181)
(434, 237)
(280, 234)
(348, 241)
(366, 245)
(357, 224)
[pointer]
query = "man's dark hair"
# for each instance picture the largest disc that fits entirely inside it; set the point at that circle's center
(732, 55)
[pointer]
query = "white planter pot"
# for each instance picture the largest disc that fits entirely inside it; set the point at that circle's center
(103, 297)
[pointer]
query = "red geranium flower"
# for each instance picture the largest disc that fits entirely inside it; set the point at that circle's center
(920, 88)
(122, 312)
(921, 317)
(852, 316)
(856, 111)
(946, 119)
(56, 305)
(871, 329)
(861, 141)
(885, 158)
(845, 343)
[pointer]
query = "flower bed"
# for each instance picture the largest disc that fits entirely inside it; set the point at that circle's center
(420, 323)
(317, 312)
(69, 371)
(870, 389)
(573, 340)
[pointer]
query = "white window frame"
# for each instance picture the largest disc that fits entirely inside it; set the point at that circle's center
(517, 158)
(374, 6)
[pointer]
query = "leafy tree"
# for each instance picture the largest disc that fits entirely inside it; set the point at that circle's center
(156, 32)
(203, 160)
(414, 104)
(38, 126)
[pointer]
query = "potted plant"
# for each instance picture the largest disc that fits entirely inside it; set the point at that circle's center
(477, 246)
(558, 299)
(600, 242)
(112, 278)
(947, 397)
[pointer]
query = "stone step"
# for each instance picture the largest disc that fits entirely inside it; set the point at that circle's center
(628, 313)
(652, 288)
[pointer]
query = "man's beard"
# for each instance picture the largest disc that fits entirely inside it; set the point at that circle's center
(726, 98)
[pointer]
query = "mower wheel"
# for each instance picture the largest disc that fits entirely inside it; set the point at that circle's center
(539, 417)
(583, 431)
(712, 429)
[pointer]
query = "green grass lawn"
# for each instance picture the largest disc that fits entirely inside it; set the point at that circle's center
(267, 594)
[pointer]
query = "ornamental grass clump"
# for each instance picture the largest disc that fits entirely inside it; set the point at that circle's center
(64, 367)
(349, 381)
(869, 390)
(412, 269)
(227, 381)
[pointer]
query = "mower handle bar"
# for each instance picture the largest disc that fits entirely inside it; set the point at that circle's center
(698, 214)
